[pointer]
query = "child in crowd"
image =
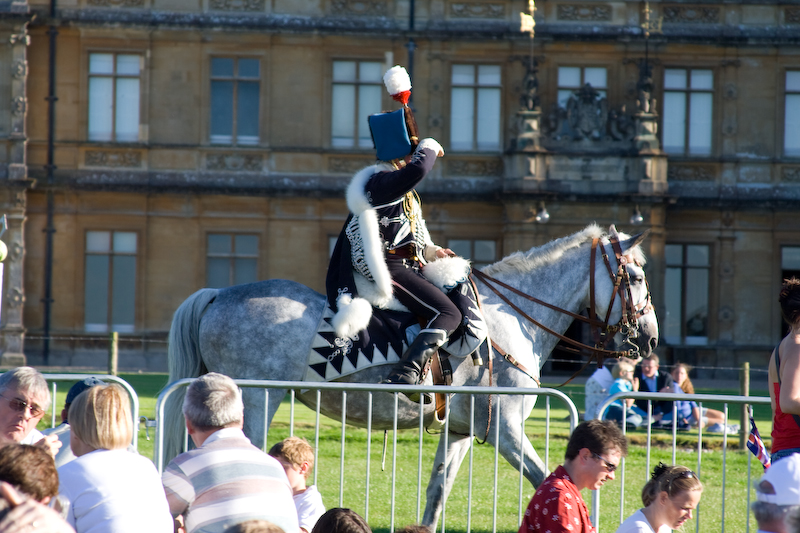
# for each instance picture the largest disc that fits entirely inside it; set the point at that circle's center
(297, 457)
(624, 382)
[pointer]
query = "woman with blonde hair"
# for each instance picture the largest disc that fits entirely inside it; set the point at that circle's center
(669, 498)
(688, 411)
(108, 488)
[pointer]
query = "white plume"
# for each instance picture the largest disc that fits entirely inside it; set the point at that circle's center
(396, 80)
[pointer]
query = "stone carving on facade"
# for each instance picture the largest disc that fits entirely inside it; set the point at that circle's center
(237, 5)
(19, 69)
(690, 14)
(587, 117)
(484, 167)
(15, 298)
(690, 173)
(18, 105)
(234, 162)
(347, 165)
(791, 174)
(730, 91)
(19, 199)
(529, 98)
(584, 12)
(791, 15)
(20, 38)
(15, 251)
(116, 3)
(484, 10)
(729, 126)
(115, 159)
(726, 314)
(359, 7)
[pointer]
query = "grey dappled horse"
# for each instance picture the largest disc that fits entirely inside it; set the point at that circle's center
(264, 331)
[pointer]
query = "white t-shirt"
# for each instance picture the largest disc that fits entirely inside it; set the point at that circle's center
(114, 490)
(637, 523)
(64, 434)
(309, 507)
(33, 437)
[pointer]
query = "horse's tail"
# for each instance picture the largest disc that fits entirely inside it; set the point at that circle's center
(183, 361)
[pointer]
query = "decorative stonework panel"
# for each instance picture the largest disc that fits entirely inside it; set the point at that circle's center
(690, 14)
(347, 165)
(237, 5)
(483, 10)
(359, 7)
(19, 69)
(791, 174)
(791, 15)
(18, 105)
(116, 3)
(584, 12)
(233, 162)
(487, 168)
(114, 159)
(690, 173)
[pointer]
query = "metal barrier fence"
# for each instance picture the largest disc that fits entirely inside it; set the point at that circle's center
(345, 388)
(699, 399)
(53, 379)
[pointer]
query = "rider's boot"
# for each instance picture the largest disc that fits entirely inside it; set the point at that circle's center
(407, 370)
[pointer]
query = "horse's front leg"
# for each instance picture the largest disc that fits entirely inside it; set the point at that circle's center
(512, 442)
(439, 486)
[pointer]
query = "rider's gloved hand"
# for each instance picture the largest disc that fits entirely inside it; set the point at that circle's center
(431, 144)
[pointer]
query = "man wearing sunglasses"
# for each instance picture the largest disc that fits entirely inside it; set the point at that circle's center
(593, 453)
(24, 397)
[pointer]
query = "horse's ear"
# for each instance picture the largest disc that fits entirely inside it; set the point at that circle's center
(636, 240)
(612, 232)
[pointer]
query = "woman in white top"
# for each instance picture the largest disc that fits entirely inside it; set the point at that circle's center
(669, 498)
(107, 488)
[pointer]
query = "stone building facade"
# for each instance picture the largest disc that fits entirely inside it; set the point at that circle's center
(208, 142)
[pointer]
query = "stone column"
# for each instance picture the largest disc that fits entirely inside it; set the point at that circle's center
(525, 166)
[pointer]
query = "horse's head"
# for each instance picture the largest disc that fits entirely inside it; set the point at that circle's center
(621, 293)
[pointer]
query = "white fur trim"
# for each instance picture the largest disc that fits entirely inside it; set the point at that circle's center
(431, 144)
(447, 272)
(396, 80)
(356, 198)
(368, 291)
(373, 253)
(353, 315)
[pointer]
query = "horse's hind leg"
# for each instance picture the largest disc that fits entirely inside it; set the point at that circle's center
(254, 403)
(439, 486)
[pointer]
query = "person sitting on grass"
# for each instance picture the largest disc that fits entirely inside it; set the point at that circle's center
(297, 458)
(624, 382)
(341, 520)
(669, 498)
(689, 414)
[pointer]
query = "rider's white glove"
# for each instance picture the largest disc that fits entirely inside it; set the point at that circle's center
(431, 144)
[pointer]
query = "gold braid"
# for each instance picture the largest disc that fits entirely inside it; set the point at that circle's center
(408, 207)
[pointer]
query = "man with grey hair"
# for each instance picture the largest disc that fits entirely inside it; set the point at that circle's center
(778, 495)
(24, 398)
(225, 480)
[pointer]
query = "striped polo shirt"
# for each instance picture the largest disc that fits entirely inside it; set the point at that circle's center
(227, 481)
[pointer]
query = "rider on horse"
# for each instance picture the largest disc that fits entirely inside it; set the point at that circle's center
(385, 244)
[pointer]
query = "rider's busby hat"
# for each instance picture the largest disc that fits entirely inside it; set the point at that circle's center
(394, 133)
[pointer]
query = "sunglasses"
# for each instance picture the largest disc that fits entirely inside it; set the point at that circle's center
(20, 406)
(610, 467)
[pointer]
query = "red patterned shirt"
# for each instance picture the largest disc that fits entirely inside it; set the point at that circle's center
(557, 507)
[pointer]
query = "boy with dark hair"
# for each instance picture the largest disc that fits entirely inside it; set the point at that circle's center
(297, 458)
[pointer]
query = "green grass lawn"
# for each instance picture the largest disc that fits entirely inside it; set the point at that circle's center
(331, 468)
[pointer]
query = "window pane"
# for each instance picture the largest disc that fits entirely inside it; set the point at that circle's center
(128, 64)
(218, 272)
(98, 241)
(370, 71)
(244, 271)
(249, 68)
(222, 66)
(461, 247)
(674, 78)
(488, 75)
(791, 128)
(700, 123)
(672, 305)
(793, 80)
(697, 255)
(344, 71)
(463, 75)
(247, 110)
(696, 303)
(569, 77)
(125, 242)
(674, 122)
(96, 290)
(673, 253)
(101, 63)
(595, 76)
(485, 251)
(222, 110)
(702, 79)
(488, 128)
(101, 105)
(342, 116)
(790, 258)
(246, 245)
(462, 117)
(219, 244)
(369, 103)
(563, 97)
(127, 110)
(123, 291)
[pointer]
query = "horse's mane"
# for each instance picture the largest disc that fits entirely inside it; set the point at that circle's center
(552, 251)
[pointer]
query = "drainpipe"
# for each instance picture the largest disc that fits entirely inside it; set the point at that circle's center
(50, 168)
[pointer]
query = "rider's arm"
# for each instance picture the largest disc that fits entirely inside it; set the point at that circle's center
(386, 187)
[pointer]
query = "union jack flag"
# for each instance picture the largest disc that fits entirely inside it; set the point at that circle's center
(756, 445)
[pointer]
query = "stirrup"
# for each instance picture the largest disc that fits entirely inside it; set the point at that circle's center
(427, 397)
